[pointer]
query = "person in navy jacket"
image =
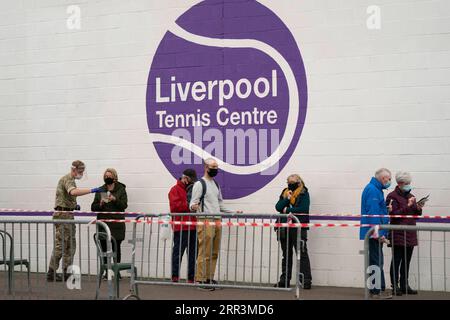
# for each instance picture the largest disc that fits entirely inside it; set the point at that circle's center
(373, 203)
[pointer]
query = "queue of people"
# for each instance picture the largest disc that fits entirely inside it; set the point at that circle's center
(201, 243)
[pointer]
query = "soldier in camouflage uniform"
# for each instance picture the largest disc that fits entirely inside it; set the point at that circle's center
(65, 203)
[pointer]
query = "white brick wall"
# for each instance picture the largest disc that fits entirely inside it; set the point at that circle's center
(376, 98)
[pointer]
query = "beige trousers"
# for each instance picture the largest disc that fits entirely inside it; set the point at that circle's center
(208, 240)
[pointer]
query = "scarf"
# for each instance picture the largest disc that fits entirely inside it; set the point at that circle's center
(295, 194)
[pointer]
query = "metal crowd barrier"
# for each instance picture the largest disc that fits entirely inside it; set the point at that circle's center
(249, 255)
(26, 249)
(246, 258)
(425, 257)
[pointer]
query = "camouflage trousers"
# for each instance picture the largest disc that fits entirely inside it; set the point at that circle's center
(64, 242)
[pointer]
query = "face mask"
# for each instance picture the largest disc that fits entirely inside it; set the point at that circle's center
(387, 185)
(213, 172)
(293, 186)
(109, 181)
(78, 176)
(407, 188)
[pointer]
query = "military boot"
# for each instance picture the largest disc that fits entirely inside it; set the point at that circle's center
(66, 275)
(52, 276)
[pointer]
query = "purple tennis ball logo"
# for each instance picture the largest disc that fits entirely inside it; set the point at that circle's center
(227, 81)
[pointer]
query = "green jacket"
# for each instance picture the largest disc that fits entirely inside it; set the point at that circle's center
(121, 203)
(301, 206)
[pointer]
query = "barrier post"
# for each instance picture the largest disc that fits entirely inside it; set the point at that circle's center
(109, 257)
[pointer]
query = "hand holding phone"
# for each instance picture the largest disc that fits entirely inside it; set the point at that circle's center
(422, 201)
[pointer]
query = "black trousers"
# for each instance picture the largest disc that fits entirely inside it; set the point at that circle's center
(288, 241)
(401, 258)
(116, 250)
(182, 240)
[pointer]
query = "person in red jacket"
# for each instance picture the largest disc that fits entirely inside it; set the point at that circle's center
(184, 236)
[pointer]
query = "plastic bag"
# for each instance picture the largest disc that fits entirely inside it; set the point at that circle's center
(165, 230)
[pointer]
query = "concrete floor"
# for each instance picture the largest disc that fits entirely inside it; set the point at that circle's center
(41, 289)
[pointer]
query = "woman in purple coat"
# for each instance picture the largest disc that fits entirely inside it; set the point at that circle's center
(403, 202)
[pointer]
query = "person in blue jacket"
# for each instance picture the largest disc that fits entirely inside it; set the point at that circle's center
(373, 203)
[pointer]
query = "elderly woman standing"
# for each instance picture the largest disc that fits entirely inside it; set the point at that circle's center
(403, 202)
(115, 200)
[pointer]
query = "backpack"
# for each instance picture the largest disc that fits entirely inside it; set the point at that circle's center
(202, 198)
(189, 193)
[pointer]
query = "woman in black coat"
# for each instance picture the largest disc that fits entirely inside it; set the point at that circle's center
(113, 200)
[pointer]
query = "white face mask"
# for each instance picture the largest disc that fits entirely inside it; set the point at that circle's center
(78, 175)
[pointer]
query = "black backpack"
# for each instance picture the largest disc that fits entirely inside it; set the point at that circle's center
(189, 193)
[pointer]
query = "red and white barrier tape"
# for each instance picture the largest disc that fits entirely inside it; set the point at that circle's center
(219, 223)
(345, 215)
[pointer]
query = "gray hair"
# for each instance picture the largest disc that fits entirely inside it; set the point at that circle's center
(403, 177)
(209, 161)
(382, 171)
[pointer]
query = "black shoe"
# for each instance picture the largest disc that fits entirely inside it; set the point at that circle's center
(307, 286)
(282, 284)
(54, 277)
(409, 291)
(214, 282)
(205, 288)
(66, 275)
(397, 292)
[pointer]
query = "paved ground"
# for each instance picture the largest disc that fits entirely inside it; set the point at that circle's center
(41, 289)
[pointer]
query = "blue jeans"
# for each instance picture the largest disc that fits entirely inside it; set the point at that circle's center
(185, 240)
(376, 258)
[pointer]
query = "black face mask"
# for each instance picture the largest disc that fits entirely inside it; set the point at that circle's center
(293, 186)
(213, 172)
(109, 181)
